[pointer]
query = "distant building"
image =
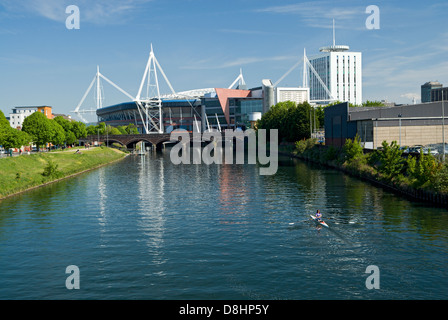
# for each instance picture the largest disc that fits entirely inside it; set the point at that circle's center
(340, 71)
(408, 125)
(439, 94)
(19, 114)
(297, 95)
(426, 89)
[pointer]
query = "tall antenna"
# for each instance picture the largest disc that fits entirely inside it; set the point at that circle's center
(334, 35)
(334, 47)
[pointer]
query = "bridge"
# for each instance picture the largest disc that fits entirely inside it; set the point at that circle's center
(130, 140)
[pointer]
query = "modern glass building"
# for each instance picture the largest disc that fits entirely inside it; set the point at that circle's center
(426, 90)
(339, 71)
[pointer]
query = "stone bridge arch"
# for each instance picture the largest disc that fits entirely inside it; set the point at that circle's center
(128, 140)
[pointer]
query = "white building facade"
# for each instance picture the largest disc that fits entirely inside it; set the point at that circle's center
(18, 115)
(340, 71)
(298, 95)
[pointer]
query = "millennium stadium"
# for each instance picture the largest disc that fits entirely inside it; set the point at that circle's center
(233, 107)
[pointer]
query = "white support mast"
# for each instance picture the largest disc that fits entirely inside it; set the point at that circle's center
(151, 105)
(306, 65)
(239, 80)
(99, 95)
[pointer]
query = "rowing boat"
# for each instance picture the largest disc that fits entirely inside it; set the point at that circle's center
(322, 223)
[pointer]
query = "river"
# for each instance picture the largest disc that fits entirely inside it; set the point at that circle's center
(145, 228)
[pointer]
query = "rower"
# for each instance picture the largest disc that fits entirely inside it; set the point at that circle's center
(318, 215)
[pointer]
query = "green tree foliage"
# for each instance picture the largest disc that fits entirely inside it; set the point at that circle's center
(425, 170)
(57, 133)
(292, 120)
(4, 127)
(64, 123)
(352, 149)
(112, 130)
(391, 163)
(79, 129)
(131, 129)
(51, 170)
(441, 179)
(375, 103)
(14, 138)
(70, 137)
(73, 130)
(10, 137)
(367, 103)
(38, 126)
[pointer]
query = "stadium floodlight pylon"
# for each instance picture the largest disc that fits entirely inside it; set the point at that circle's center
(99, 95)
(151, 105)
(239, 80)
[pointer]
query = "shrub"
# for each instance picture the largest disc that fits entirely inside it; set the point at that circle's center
(51, 170)
(331, 154)
(352, 149)
(391, 163)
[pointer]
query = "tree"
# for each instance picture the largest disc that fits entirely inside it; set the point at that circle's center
(14, 138)
(57, 133)
(291, 120)
(352, 149)
(38, 126)
(64, 123)
(425, 171)
(112, 130)
(70, 138)
(101, 127)
(391, 160)
(4, 127)
(79, 129)
(10, 137)
(131, 129)
(91, 130)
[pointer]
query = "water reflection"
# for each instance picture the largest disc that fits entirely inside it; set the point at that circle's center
(147, 228)
(102, 199)
(151, 203)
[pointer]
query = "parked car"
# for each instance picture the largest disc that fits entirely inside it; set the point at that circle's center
(415, 149)
(431, 151)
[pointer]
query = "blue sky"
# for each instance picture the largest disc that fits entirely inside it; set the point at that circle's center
(204, 44)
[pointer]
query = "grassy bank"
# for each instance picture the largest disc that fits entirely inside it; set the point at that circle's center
(420, 177)
(24, 172)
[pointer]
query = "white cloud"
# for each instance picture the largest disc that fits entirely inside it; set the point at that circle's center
(99, 11)
(237, 62)
(318, 13)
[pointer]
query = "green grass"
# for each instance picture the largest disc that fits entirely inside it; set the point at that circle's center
(26, 171)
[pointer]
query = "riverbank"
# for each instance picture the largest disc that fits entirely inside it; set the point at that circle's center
(26, 172)
(330, 157)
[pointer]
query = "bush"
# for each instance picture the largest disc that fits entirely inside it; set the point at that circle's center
(441, 180)
(391, 163)
(304, 145)
(51, 170)
(331, 154)
(425, 171)
(352, 149)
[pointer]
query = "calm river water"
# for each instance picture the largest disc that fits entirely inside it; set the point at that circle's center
(144, 228)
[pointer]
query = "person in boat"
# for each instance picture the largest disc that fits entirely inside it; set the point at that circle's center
(318, 216)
